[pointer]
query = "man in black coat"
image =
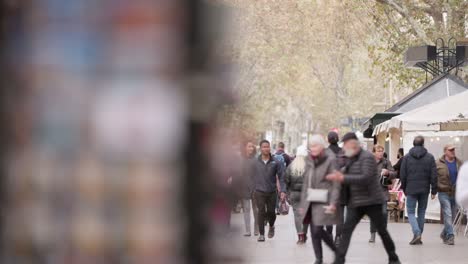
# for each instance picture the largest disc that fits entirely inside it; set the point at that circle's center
(418, 174)
(365, 197)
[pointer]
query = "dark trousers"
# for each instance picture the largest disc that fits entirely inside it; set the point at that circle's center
(319, 234)
(266, 203)
(353, 217)
(341, 218)
(373, 228)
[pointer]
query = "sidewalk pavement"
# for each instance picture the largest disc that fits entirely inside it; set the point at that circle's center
(282, 249)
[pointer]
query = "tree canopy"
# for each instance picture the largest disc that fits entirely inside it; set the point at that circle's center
(328, 60)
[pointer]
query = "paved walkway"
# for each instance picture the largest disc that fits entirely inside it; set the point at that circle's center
(282, 249)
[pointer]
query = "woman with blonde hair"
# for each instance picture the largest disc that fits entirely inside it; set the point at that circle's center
(294, 178)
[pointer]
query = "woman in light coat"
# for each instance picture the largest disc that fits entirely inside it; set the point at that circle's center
(294, 179)
(319, 164)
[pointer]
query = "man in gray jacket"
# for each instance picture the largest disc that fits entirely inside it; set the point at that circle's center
(267, 168)
(365, 197)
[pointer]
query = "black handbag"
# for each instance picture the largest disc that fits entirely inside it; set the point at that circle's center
(385, 180)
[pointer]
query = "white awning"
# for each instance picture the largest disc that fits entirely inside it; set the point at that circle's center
(429, 117)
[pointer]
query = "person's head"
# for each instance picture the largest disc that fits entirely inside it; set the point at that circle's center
(317, 145)
(378, 151)
(400, 153)
(249, 148)
(333, 137)
(280, 146)
(418, 141)
(351, 146)
(449, 151)
(298, 165)
(301, 151)
(265, 147)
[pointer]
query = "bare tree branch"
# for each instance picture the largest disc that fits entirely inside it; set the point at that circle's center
(404, 12)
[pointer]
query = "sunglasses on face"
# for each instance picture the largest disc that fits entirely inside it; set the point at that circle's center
(451, 150)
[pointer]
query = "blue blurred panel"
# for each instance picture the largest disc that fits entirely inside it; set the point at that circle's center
(71, 49)
(63, 8)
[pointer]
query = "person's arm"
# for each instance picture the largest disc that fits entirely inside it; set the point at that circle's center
(397, 167)
(433, 177)
(392, 174)
(280, 174)
(287, 159)
(336, 187)
(368, 170)
(287, 179)
(403, 174)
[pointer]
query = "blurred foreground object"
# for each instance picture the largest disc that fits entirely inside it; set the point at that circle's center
(108, 109)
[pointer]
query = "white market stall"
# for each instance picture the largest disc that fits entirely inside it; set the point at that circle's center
(431, 122)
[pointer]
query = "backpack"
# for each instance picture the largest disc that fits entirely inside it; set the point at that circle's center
(280, 159)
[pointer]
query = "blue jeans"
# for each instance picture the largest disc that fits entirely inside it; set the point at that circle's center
(449, 209)
(419, 200)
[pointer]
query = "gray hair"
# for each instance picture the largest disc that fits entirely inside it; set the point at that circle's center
(317, 140)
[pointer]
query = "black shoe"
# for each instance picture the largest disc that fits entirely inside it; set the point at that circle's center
(450, 240)
(416, 241)
(372, 238)
(443, 236)
(394, 262)
(318, 261)
(271, 232)
(261, 238)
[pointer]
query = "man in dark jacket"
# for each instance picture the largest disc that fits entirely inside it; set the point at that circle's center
(397, 166)
(284, 159)
(281, 155)
(365, 197)
(267, 169)
(447, 173)
(333, 140)
(418, 175)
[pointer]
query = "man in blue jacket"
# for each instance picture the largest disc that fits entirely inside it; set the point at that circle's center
(418, 175)
(267, 168)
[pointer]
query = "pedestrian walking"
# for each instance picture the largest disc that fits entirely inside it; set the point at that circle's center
(319, 195)
(365, 197)
(282, 156)
(285, 160)
(333, 140)
(294, 179)
(386, 175)
(397, 165)
(418, 178)
(462, 186)
(447, 173)
(267, 169)
(245, 188)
